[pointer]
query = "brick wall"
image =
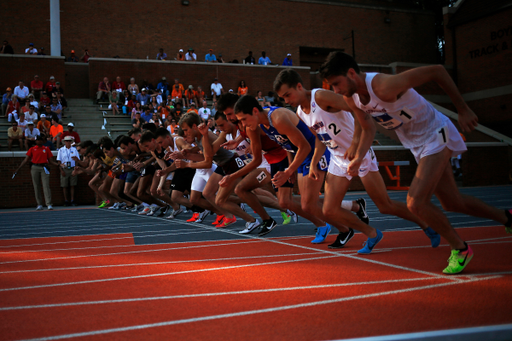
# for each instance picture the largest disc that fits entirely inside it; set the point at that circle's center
(481, 166)
(136, 29)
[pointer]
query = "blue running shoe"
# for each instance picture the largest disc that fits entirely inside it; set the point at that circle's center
(435, 238)
(370, 244)
(321, 234)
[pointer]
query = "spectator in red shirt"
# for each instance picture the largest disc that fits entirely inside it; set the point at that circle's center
(13, 108)
(85, 57)
(118, 85)
(103, 90)
(36, 86)
(72, 133)
(44, 101)
(50, 85)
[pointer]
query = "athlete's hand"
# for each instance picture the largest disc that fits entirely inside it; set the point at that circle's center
(230, 145)
(353, 167)
(181, 163)
(203, 129)
(158, 173)
(225, 181)
(313, 172)
(280, 178)
(159, 191)
(350, 154)
(468, 120)
(174, 155)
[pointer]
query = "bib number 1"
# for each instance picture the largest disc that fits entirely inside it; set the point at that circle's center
(442, 135)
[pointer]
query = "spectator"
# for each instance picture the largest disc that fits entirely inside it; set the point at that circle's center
(62, 101)
(56, 131)
(205, 112)
(157, 98)
(210, 57)
(288, 60)
(163, 111)
(147, 114)
(114, 101)
(13, 108)
(57, 88)
(161, 55)
(261, 100)
(163, 86)
(21, 91)
(44, 101)
(177, 95)
(214, 107)
(220, 59)
(25, 108)
(132, 87)
(32, 101)
(6, 48)
(31, 115)
(41, 52)
(242, 88)
(138, 121)
(66, 157)
(22, 122)
(192, 108)
(200, 94)
(143, 98)
(103, 90)
(71, 132)
(85, 57)
(119, 86)
(178, 111)
(191, 56)
(249, 59)
(31, 49)
(40, 157)
(136, 109)
(264, 60)
(180, 55)
(153, 109)
(14, 136)
(56, 108)
(191, 95)
(271, 98)
(216, 88)
(31, 135)
(155, 119)
(44, 125)
(177, 81)
(50, 85)
(36, 86)
(6, 98)
(72, 58)
(173, 127)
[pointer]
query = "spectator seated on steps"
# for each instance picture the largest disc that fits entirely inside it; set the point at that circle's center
(71, 132)
(15, 136)
(103, 90)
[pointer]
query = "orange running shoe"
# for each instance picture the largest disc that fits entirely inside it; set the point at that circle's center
(218, 220)
(194, 218)
(226, 222)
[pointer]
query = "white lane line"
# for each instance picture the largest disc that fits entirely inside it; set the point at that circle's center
(110, 246)
(131, 252)
(215, 294)
(164, 274)
(156, 263)
(243, 313)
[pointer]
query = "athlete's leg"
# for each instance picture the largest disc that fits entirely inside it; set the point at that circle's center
(430, 170)
(287, 201)
(211, 193)
(335, 189)
(223, 198)
(142, 190)
(376, 189)
(253, 180)
(128, 192)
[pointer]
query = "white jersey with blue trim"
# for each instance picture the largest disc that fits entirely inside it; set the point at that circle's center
(335, 130)
(243, 147)
(415, 120)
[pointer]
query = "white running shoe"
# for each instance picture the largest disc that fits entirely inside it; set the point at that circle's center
(154, 209)
(145, 211)
(50, 207)
(294, 215)
(202, 216)
(174, 213)
(249, 227)
(114, 207)
(39, 207)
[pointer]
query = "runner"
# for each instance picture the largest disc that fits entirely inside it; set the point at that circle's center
(431, 137)
(285, 128)
(327, 114)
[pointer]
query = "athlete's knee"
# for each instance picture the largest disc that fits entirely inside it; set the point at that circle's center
(285, 203)
(154, 192)
(386, 208)
(414, 205)
(194, 201)
(328, 213)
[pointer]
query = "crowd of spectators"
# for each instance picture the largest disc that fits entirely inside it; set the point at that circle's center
(34, 110)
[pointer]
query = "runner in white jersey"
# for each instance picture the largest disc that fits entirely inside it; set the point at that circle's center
(326, 113)
(432, 139)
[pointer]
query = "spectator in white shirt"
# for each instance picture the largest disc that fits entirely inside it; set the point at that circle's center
(31, 135)
(191, 56)
(216, 88)
(31, 49)
(31, 115)
(205, 112)
(21, 91)
(22, 122)
(66, 157)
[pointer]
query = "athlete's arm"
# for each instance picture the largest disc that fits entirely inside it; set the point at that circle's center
(389, 87)
(367, 135)
(319, 152)
(330, 101)
(350, 153)
(233, 143)
(282, 122)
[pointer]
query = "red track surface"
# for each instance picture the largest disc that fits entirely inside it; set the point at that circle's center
(280, 289)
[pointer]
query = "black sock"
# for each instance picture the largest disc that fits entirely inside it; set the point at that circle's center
(509, 217)
(197, 209)
(465, 247)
